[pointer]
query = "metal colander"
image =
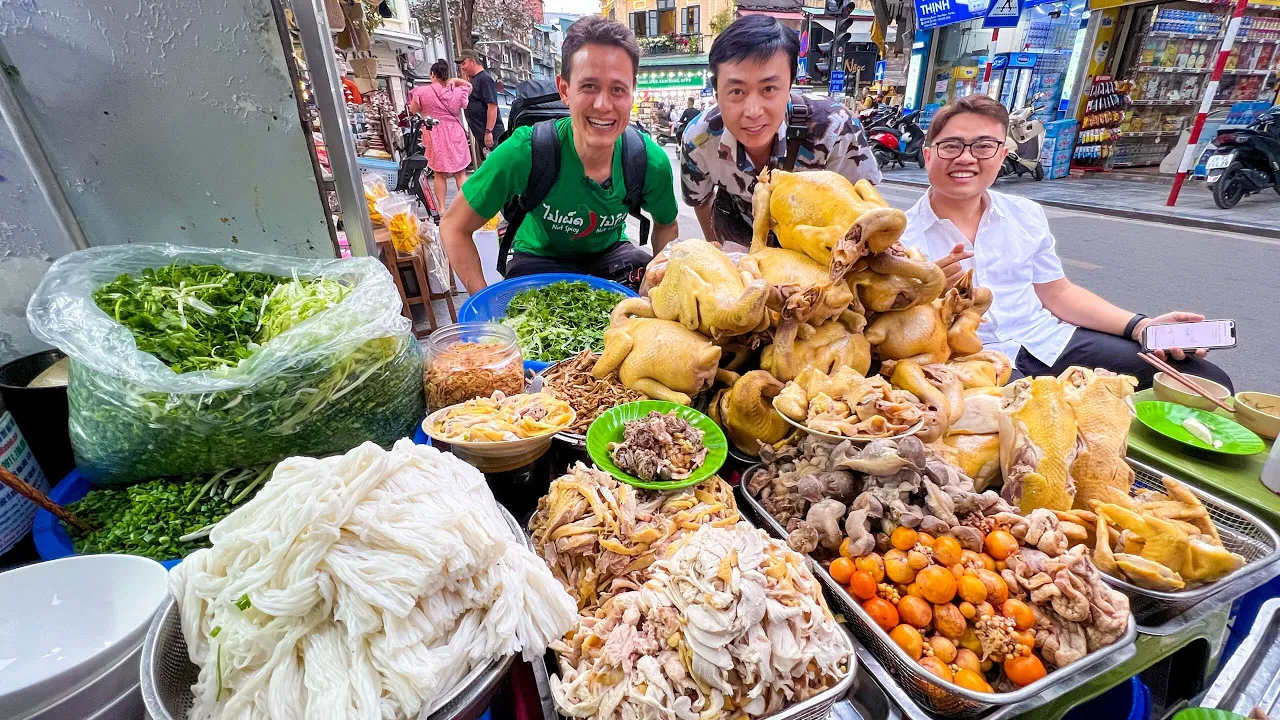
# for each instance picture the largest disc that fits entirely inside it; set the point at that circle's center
(168, 673)
(1241, 533)
(927, 690)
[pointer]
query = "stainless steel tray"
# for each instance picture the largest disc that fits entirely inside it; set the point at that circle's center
(1251, 678)
(168, 673)
(1241, 532)
(924, 688)
(817, 707)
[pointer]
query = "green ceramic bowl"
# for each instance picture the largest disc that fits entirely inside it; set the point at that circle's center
(1166, 418)
(609, 428)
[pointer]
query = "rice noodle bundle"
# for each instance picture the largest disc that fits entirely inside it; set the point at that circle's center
(366, 585)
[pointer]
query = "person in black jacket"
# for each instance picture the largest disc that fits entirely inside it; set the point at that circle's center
(482, 108)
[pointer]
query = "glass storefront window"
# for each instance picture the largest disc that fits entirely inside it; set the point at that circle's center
(957, 72)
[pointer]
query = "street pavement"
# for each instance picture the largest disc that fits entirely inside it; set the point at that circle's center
(1154, 267)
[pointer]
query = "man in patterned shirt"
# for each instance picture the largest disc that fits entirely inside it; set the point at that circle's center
(753, 65)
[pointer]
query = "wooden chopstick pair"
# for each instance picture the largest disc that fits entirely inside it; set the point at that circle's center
(1168, 369)
(39, 498)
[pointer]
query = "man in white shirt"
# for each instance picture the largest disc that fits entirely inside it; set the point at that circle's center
(1039, 318)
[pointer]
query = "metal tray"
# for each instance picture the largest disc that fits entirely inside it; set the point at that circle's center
(817, 707)
(1251, 678)
(924, 688)
(1241, 532)
(168, 673)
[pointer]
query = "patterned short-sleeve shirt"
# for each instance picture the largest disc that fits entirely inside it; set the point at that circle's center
(710, 155)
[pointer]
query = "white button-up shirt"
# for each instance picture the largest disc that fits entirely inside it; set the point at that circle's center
(1014, 250)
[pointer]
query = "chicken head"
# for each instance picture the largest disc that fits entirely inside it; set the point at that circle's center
(660, 358)
(896, 279)
(964, 306)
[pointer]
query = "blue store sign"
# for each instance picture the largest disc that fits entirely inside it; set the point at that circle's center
(936, 13)
(837, 82)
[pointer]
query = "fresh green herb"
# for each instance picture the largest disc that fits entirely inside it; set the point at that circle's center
(243, 603)
(218, 697)
(560, 320)
(322, 398)
(214, 633)
(161, 519)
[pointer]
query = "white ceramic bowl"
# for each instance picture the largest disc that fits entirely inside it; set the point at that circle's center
(97, 692)
(1170, 389)
(65, 621)
(496, 456)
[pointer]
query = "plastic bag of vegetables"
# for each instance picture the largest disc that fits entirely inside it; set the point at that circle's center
(191, 360)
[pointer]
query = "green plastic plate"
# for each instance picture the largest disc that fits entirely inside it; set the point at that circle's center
(1166, 418)
(609, 428)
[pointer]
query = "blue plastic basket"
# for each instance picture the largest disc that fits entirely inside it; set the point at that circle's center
(51, 538)
(490, 304)
(1130, 700)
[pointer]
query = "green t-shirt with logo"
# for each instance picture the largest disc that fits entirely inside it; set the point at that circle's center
(579, 216)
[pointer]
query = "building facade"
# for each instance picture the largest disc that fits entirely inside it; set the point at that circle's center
(675, 37)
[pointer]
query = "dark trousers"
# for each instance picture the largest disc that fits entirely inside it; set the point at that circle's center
(623, 263)
(1092, 349)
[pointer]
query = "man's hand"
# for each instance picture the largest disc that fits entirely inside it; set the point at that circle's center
(488, 140)
(1167, 319)
(950, 263)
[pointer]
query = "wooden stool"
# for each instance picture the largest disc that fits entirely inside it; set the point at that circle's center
(418, 264)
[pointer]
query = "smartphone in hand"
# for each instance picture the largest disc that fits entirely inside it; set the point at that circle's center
(1208, 334)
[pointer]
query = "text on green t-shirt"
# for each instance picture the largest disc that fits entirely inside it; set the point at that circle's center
(579, 216)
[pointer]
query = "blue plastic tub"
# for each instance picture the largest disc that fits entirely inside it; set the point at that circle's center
(51, 538)
(1129, 700)
(490, 304)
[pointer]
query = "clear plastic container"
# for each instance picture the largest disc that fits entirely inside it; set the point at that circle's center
(1271, 471)
(470, 360)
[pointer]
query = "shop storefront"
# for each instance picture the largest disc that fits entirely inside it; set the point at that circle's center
(1163, 54)
(960, 51)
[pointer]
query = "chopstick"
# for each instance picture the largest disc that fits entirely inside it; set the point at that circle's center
(1168, 369)
(43, 501)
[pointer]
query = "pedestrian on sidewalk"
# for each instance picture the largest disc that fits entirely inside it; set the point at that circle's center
(482, 105)
(447, 150)
(1039, 318)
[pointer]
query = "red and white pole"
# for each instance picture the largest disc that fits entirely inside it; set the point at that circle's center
(991, 56)
(1210, 91)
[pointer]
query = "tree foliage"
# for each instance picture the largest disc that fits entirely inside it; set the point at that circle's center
(491, 19)
(721, 20)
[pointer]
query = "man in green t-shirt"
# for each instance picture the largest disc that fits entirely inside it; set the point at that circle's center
(580, 226)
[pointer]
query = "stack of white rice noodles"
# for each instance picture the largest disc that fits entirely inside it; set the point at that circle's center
(361, 586)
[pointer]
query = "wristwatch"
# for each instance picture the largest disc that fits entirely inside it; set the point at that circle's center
(1133, 325)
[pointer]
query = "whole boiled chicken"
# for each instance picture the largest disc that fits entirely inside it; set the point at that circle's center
(1098, 398)
(1038, 445)
(824, 216)
(662, 359)
(745, 412)
(703, 290)
(827, 347)
(896, 279)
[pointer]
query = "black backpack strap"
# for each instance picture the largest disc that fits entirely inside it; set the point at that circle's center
(797, 129)
(544, 168)
(635, 165)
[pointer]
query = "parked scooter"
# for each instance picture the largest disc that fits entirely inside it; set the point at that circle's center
(898, 142)
(1025, 141)
(1247, 160)
(414, 176)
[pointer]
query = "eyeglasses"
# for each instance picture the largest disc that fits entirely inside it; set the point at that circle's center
(980, 149)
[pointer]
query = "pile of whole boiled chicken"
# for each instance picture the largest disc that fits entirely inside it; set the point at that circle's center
(685, 612)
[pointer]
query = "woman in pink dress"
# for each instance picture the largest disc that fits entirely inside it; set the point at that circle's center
(448, 152)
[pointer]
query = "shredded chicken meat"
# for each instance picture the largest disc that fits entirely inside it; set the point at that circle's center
(599, 536)
(730, 624)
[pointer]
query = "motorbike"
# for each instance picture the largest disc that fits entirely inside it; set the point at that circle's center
(1024, 141)
(414, 176)
(1247, 160)
(897, 142)
(665, 133)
